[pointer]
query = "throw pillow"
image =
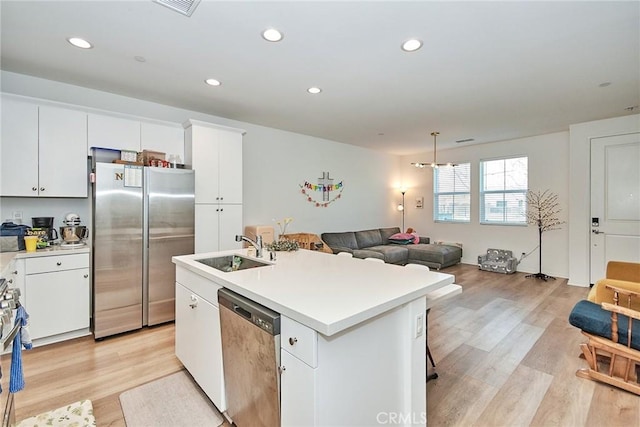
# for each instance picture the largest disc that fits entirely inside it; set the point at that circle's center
(402, 238)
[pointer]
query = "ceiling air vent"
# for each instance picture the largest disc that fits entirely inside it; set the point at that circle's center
(464, 140)
(185, 7)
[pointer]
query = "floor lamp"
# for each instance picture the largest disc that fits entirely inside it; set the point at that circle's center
(401, 209)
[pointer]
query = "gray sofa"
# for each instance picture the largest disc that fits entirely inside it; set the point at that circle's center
(375, 243)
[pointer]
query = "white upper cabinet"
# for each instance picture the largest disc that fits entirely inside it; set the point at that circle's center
(168, 139)
(43, 151)
(215, 153)
(63, 161)
(230, 166)
(19, 150)
(113, 132)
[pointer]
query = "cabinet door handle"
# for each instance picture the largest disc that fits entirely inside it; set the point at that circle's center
(194, 301)
(293, 340)
(86, 275)
(221, 198)
(10, 281)
(41, 188)
(59, 263)
(281, 369)
(34, 188)
(15, 272)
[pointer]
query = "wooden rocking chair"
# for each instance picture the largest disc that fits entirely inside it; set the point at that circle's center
(611, 340)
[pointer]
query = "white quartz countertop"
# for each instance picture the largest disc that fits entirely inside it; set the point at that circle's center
(325, 292)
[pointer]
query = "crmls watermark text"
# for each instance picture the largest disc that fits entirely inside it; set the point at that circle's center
(399, 418)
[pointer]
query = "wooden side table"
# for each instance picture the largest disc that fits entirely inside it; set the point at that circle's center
(308, 241)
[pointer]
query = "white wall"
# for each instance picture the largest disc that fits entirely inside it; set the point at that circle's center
(275, 170)
(275, 163)
(579, 167)
(548, 158)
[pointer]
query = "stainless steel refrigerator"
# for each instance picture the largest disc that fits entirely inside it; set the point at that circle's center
(142, 216)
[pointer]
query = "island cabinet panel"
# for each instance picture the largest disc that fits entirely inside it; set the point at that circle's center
(299, 340)
(298, 383)
(198, 341)
(357, 381)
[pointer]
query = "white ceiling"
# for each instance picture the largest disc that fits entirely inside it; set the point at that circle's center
(488, 70)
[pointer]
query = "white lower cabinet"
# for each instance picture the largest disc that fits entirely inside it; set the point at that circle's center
(369, 374)
(57, 297)
(297, 391)
(198, 341)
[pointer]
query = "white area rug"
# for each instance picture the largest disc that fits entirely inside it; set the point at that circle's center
(172, 401)
(78, 414)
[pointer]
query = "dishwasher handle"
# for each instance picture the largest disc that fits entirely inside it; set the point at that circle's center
(242, 312)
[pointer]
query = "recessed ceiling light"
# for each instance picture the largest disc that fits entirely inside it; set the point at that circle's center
(272, 35)
(314, 90)
(411, 45)
(140, 58)
(604, 84)
(78, 42)
(213, 82)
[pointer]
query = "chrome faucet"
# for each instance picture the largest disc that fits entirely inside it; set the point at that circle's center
(257, 244)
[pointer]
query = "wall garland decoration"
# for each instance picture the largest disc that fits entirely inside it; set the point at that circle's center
(325, 186)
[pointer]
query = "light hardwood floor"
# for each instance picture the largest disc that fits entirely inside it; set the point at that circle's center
(505, 355)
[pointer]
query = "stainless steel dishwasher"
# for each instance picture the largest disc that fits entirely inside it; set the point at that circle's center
(250, 359)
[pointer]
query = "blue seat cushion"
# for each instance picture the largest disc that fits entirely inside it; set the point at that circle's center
(593, 319)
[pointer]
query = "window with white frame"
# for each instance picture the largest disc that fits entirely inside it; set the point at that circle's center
(503, 191)
(451, 193)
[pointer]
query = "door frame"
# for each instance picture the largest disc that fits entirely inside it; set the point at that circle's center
(580, 136)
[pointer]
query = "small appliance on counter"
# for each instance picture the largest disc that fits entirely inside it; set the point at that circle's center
(42, 227)
(73, 234)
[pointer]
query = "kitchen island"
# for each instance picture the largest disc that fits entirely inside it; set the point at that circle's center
(352, 338)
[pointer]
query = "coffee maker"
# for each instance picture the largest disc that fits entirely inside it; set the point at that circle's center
(42, 226)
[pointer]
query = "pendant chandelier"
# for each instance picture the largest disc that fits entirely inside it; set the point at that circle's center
(435, 163)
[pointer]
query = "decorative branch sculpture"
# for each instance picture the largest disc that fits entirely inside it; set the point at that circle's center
(542, 211)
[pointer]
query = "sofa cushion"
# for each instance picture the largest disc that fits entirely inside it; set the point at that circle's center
(338, 242)
(392, 254)
(436, 256)
(368, 238)
(593, 319)
(366, 253)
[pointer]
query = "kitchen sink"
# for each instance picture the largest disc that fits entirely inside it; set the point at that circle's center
(229, 263)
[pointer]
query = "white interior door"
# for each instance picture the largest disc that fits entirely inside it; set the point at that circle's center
(615, 201)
